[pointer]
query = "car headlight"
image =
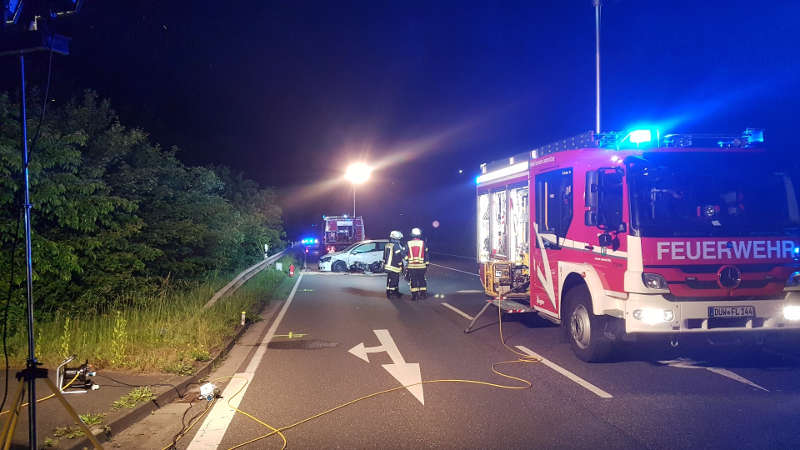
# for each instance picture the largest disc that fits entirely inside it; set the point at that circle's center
(791, 312)
(654, 281)
(653, 316)
(325, 259)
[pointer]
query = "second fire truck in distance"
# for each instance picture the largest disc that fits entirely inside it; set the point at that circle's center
(620, 235)
(342, 231)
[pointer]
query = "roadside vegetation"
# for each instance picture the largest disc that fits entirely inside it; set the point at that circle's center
(128, 242)
(169, 331)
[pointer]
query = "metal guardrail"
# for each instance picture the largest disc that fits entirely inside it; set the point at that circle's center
(245, 275)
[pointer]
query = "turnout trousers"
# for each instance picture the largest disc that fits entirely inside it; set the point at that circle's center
(392, 283)
(417, 283)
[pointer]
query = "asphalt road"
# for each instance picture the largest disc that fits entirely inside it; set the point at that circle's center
(651, 397)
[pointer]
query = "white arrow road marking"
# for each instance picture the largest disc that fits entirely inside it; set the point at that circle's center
(408, 374)
(686, 363)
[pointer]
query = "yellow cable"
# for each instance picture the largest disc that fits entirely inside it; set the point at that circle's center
(523, 359)
(47, 397)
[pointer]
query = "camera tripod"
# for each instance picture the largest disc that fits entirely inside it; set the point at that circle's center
(30, 375)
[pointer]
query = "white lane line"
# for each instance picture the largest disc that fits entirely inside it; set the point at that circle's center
(470, 291)
(472, 258)
(219, 419)
(456, 310)
(686, 363)
(457, 270)
(589, 386)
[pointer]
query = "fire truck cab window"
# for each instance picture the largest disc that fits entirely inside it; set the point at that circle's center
(609, 211)
(554, 201)
(712, 195)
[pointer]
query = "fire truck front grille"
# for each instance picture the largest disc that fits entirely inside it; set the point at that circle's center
(720, 298)
(712, 284)
(713, 268)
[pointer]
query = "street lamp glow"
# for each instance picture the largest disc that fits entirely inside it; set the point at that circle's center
(358, 173)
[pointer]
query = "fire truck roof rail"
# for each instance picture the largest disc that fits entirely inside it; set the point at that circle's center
(584, 140)
(640, 139)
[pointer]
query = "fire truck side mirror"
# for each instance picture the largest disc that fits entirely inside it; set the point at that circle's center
(592, 188)
(605, 240)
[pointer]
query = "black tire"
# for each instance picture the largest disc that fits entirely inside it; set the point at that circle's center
(375, 267)
(339, 266)
(585, 331)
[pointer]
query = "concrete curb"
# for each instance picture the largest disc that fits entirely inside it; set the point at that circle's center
(136, 414)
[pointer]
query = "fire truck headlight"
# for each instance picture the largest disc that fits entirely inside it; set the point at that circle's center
(654, 281)
(653, 316)
(791, 312)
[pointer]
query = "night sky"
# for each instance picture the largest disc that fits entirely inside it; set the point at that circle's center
(289, 92)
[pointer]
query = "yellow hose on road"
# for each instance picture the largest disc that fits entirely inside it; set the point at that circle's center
(522, 359)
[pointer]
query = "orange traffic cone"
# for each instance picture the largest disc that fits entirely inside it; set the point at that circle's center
(291, 270)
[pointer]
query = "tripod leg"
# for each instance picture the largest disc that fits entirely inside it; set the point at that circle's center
(475, 319)
(10, 423)
(73, 414)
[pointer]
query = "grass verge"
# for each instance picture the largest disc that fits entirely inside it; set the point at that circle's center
(166, 332)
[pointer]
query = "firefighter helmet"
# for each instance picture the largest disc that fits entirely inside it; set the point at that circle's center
(396, 235)
(416, 232)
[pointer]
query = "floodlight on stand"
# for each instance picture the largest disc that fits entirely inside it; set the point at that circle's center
(22, 35)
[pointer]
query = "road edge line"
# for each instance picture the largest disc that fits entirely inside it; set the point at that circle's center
(457, 311)
(585, 384)
(221, 414)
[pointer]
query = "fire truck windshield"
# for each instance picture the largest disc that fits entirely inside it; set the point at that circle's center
(711, 194)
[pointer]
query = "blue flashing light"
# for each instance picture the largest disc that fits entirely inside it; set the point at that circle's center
(476, 179)
(796, 250)
(640, 136)
(754, 136)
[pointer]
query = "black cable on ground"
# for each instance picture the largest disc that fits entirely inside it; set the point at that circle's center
(183, 425)
(180, 395)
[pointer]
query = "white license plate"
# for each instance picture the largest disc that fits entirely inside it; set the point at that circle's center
(731, 311)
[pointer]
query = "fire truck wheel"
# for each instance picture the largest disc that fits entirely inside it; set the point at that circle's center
(584, 329)
(339, 266)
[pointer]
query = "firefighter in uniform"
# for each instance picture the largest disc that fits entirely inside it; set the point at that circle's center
(393, 255)
(417, 257)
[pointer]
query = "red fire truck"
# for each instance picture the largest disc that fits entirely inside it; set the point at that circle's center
(342, 231)
(620, 235)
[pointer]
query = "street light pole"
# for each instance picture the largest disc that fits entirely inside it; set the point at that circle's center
(357, 173)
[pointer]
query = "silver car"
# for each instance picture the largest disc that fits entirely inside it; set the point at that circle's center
(368, 253)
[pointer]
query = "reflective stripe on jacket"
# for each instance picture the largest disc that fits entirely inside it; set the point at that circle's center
(417, 254)
(393, 257)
